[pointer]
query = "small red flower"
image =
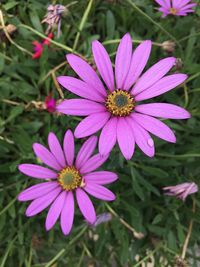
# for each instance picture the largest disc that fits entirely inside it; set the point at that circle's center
(38, 47)
(50, 104)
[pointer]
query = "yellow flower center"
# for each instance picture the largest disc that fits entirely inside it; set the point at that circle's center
(173, 11)
(69, 179)
(120, 103)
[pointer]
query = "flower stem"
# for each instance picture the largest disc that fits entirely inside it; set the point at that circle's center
(82, 24)
(185, 245)
(137, 235)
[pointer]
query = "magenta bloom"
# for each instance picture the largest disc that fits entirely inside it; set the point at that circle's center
(115, 107)
(181, 191)
(50, 103)
(39, 47)
(68, 177)
(175, 7)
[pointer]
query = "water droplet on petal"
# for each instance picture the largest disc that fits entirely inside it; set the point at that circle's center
(150, 142)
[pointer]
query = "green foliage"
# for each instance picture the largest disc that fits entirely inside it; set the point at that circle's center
(140, 205)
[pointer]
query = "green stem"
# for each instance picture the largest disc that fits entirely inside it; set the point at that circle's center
(148, 256)
(7, 252)
(116, 41)
(62, 251)
(8, 206)
(67, 48)
(195, 155)
(82, 24)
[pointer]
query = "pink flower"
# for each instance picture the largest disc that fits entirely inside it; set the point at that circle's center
(38, 47)
(115, 108)
(65, 178)
(50, 104)
(181, 191)
(175, 7)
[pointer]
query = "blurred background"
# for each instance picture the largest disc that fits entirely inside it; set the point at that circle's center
(25, 84)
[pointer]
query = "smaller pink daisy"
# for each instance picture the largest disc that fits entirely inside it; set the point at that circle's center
(68, 177)
(175, 7)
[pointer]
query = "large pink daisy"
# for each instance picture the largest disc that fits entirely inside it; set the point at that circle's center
(113, 106)
(175, 7)
(64, 178)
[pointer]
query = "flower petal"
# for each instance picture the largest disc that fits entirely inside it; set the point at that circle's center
(162, 86)
(163, 110)
(91, 124)
(42, 203)
(163, 3)
(54, 211)
(123, 60)
(155, 127)
(85, 205)
(99, 192)
(93, 163)
(86, 151)
(108, 136)
(68, 147)
(37, 171)
(154, 74)
(86, 73)
(56, 149)
(103, 64)
(100, 177)
(79, 107)
(67, 214)
(142, 138)
(125, 138)
(46, 156)
(37, 190)
(80, 88)
(138, 63)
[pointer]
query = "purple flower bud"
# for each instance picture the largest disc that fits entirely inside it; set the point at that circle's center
(181, 191)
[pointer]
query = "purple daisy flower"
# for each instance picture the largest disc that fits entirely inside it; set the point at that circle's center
(116, 109)
(181, 191)
(175, 7)
(69, 176)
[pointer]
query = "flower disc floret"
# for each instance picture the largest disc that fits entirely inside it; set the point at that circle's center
(120, 103)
